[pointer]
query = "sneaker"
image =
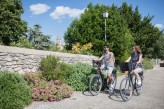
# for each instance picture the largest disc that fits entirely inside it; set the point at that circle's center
(139, 82)
(110, 87)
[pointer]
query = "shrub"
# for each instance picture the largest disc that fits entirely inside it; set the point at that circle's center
(119, 72)
(147, 63)
(31, 78)
(23, 42)
(79, 78)
(43, 90)
(52, 68)
(14, 91)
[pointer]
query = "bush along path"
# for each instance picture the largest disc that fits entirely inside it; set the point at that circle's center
(14, 91)
(43, 90)
(151, 98)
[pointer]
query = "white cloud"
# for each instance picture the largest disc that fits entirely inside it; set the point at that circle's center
(39, 8)
(61, 11)
(159, 26)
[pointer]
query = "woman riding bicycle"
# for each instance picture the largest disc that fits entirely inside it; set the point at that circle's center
(108, 64)
(136, 59)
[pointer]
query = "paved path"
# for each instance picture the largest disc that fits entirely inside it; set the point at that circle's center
(152, 97)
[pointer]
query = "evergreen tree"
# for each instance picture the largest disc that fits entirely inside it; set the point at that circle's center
(12, 27)
(38, 39)
(90, 28)
(143, 32)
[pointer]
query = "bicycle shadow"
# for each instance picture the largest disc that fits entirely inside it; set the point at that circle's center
(86, 93)
(115, 96)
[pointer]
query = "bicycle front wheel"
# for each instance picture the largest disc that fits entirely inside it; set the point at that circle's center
(95, 85)
(139, 87)
(126, 89)
(114, 82)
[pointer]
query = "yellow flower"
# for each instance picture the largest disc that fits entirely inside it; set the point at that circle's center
(77, 48)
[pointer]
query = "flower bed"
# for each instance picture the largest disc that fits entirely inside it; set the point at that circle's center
(43, 90)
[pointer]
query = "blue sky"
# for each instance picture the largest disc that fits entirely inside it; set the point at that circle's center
(55, 16)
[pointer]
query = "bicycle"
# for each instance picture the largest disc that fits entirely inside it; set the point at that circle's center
(98, 81)
(129, 85)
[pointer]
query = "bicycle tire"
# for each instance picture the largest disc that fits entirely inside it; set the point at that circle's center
(114, 84)
(124, 92)
(97, 85)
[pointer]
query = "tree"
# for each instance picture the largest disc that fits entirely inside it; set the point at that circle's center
(159, 48)
(90, 28)
(38, 39)
(143, 32)
(12, 27)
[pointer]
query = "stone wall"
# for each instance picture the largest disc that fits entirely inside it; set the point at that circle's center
(27, 60)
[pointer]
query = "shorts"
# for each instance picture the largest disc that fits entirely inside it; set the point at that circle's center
(106, 69)
(138, 70)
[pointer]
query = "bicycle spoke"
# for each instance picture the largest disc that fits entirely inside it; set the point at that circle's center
(126, 89)
(95, 85)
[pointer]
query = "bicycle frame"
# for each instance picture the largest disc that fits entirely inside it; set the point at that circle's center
(131, 75)
(99, 72)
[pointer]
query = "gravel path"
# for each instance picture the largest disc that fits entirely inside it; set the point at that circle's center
(152, 97)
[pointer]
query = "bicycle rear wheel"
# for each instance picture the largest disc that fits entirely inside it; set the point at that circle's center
(95, 85)
(126, 89)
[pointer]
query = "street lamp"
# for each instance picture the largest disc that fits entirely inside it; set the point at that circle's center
(105, 15)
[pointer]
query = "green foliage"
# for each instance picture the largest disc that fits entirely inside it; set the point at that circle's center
(14, 91)
(159, 48)
(79, 78)
(54, 47)
(32, 77)
(12, 27)
(125, 27)
(53, 69)
(38, 39)
(43, 90)
(90, 28)
(143, 31)
(147, 64)
(23, 42)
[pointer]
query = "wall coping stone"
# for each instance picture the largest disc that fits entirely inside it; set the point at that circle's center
(9, 49)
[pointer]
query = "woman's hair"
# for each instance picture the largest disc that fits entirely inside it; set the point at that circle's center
(137, 48)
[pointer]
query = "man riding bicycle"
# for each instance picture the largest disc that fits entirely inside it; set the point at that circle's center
(107, 64)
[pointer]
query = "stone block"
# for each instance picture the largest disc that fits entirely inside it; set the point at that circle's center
(19, 62)
(30, 66)
(8, 63)
(27, 70)
(17, 69)
(15, 58)
(2, 63)
(21, 72)
(14, 66)
(3, 54)
(32, 56)
(8, 58)
(24, 66)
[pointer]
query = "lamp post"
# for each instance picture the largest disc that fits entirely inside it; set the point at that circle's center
(105, 15)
